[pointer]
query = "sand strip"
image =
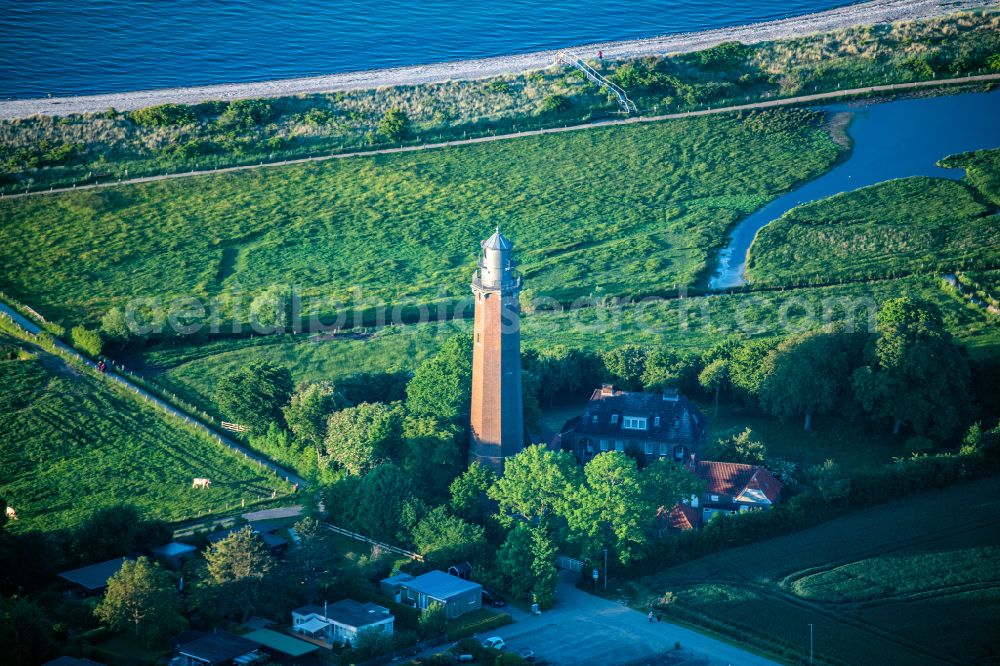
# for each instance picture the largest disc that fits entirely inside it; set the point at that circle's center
(868, 13)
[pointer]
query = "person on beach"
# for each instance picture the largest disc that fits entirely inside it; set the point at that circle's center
(600, 55)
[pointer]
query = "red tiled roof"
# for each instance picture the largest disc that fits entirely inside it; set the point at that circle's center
(765, 482)
(723, 478)
(683, 517)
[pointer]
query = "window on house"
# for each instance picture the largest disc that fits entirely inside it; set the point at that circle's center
(604, 445)
(635, 423)
(649, 448)
(663, 448)
(679, 452)
(656, 422)
(590, 445)
(619, 445)
(715, 498)
(614, 418)
(594, 420)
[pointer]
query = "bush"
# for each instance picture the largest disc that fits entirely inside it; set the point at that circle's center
(477, 625)
(393, 126)
(246, 113)
(554, 103)
(164, 115)
(86, 340)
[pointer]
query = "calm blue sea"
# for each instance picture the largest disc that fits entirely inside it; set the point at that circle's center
(72, 47)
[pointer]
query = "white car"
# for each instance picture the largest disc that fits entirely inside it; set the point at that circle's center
(494, 642)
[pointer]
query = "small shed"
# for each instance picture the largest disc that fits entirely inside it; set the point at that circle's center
(458, 596)
(463, 570)
(389, 587)
(220, 649)
(93, 579)
(174, 554)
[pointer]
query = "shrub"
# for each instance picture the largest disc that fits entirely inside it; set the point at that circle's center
(164, 115)
(86, 340)
(554, 103)
(464, 629)
(433, 621)
(393, 126)
(246, 113)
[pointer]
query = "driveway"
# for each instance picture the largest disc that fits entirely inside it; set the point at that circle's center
(585, 629)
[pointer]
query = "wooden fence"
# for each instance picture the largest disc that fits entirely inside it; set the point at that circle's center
(362, 537)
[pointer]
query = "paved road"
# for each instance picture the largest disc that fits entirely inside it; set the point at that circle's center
(802, 99)
(585, 629)
(34, 329)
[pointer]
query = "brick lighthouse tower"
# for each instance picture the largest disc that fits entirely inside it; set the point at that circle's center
(497, 420)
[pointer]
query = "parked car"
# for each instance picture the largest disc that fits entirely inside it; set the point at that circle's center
(527, 655)
(493, 599)
(494, 642)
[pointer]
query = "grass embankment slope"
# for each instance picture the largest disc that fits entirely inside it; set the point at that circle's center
(41, 151)
(696, 323)
(913, 582)
(73, 443)
(893, 228)
(623, 209)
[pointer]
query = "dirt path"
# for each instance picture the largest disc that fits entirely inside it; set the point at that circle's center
(788, 101)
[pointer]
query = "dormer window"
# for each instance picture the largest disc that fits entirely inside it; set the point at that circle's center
(635, 423)
(614, 418)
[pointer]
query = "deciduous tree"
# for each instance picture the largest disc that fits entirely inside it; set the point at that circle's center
(442, 385)
(468, 493)
(141, 599)
(310, 408)
(254, 394)
(236, 566)
(536, 482)
(358, 438)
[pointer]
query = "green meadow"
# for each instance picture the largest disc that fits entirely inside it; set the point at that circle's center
(74, 443)
(695, 323)
(911, 582)
(615, 210)
(892, 228)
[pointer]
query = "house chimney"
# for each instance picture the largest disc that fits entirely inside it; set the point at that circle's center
(607, 389)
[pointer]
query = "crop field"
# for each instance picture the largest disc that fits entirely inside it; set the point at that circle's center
(607, 211)
(73, 443)
(694, 323)
(893, 228)
(913, 582)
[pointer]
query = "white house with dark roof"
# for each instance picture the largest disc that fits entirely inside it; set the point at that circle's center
(342, 621)
(652, 426)
(458, 596)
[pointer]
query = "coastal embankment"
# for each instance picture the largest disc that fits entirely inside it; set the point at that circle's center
(867, 13)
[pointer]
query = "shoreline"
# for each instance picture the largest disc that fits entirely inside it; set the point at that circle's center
(866, 13)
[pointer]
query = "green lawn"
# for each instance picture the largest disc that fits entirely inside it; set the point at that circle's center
(914, 582)
(73, 443)
(191, 371)
(893, 228)
(607, 211)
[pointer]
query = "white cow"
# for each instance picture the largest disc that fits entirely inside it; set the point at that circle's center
(201, 483)
(11, 513)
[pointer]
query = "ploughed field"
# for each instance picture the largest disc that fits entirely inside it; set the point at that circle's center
(912, 582)
(73, 443)
(616, 210)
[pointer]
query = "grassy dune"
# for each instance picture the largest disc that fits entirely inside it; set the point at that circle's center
(893, 228)
(73, 443)
(610, 210)
(916, 582)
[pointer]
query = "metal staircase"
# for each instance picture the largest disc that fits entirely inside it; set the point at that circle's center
(627, 105)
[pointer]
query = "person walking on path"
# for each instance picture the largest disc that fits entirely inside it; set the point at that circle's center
(650, 616)
(657, 618)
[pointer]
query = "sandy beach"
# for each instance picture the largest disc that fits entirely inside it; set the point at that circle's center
(867, 13)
